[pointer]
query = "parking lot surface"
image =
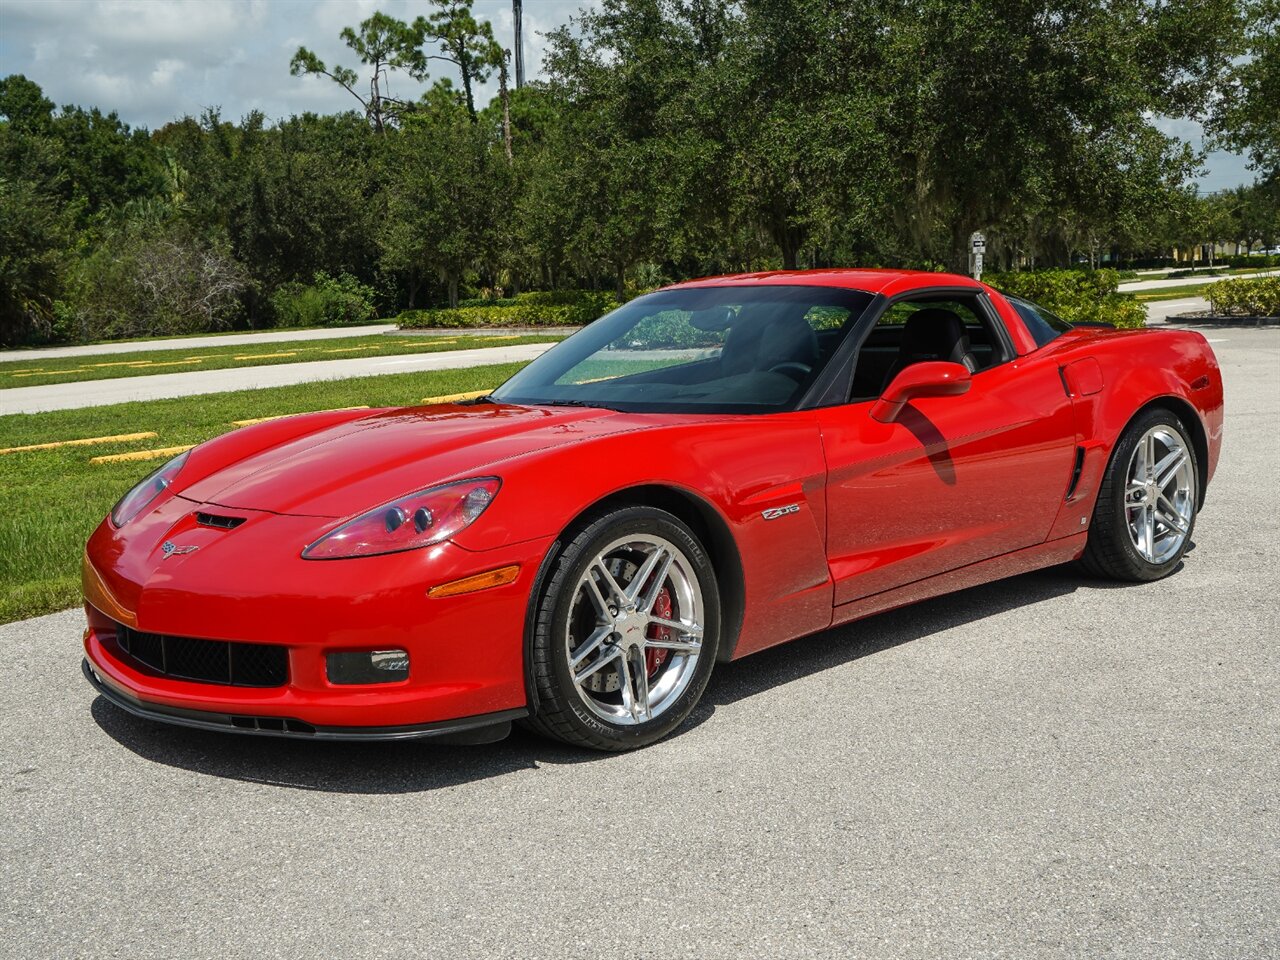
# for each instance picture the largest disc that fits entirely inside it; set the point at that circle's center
(1049, 766)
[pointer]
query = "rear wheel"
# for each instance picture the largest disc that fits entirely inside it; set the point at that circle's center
(1146, 508)
(626, 631)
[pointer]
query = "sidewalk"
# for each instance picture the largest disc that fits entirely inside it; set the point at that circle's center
(1135, 286)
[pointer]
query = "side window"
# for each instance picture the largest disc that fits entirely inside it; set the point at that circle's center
(943, 328)
(1040, 323)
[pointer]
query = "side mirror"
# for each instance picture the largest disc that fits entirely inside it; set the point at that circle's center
(929, 378)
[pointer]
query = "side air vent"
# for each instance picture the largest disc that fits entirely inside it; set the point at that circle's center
(216, 520)
(1075, 473)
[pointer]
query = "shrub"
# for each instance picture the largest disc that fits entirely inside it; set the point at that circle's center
(144, 281)
(326, 302)
(1253, 297)
(1078, 296)
(541, 309)
(670, 329)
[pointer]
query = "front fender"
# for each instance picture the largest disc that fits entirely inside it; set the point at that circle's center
(740, 467)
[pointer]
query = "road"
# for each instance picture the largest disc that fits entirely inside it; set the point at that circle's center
(93, 393)
(1048, 767)
(193, 343)
(1160, 310)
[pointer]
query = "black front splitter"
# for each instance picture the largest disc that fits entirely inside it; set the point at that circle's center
(485, 728)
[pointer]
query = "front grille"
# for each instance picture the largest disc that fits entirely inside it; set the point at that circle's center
(206, 661)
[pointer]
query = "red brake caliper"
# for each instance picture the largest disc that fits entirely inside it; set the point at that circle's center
(654, 658)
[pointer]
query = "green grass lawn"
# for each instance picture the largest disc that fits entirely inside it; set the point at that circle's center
(180, 336)
(52, 499)
(108, 366)
(1222, 272)
(1173, 293)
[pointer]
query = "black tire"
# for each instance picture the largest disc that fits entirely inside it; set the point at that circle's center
(562, 713)
(1110, 551)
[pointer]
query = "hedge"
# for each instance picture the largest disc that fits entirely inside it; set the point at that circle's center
(1078, 296)
(1252, 260)
(556, 308)
(1251, 297)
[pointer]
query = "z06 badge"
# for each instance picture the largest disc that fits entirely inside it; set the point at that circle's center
(773, 513)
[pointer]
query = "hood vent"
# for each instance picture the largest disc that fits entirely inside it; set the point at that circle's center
(216, 520)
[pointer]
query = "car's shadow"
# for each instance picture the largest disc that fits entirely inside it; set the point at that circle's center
(414, 766)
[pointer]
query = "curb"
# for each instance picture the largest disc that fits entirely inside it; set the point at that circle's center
(1224, 321)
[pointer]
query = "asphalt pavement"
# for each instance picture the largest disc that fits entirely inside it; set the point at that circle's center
(1046, 767)
(1160, 310)
(93, 393)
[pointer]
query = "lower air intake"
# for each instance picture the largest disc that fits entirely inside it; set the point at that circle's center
(205, 661)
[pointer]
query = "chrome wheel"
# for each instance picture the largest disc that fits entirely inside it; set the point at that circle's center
(634, 633)
(1160, 497)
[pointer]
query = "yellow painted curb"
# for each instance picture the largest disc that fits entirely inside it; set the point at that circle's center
(372, 346)
(265, 356)
(142, 454)
(281, 416)
(121, 363)
(249, 423)
(119, 438)
(451, 397)
(168, 363)
(27, 370)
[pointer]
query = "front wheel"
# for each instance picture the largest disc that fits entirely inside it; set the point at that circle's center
(626, 631)
(1147, 504)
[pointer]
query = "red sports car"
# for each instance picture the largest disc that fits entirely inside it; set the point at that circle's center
(710, 470)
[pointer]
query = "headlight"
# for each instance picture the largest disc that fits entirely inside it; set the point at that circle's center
(418, 520)
(137, 499)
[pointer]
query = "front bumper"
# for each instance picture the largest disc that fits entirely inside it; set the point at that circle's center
(249, 586)
(480, 729)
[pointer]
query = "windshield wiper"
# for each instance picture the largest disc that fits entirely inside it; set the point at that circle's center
(570, 403)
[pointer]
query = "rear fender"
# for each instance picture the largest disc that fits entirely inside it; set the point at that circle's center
(1176, 369)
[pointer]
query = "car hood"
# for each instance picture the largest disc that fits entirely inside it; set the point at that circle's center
(351, 467)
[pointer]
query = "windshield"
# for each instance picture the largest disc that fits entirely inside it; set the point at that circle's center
(730, 349)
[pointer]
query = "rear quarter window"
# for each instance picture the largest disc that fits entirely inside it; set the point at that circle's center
(1040, 323)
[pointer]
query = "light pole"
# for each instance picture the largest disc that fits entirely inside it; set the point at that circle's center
(517, 12)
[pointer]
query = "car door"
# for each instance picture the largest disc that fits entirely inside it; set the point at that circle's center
(952, 480)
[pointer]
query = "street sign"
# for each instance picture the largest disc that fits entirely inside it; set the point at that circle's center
(977, 247)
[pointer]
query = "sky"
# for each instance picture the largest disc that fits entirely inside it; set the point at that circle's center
(156, 60)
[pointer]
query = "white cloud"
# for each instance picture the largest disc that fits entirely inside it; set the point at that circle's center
(156, 60)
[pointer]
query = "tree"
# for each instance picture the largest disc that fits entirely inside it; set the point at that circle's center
(465, 42)
(1247, 117)
(34, 235)
(383, 44)
(24, 106)
(442, 205)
